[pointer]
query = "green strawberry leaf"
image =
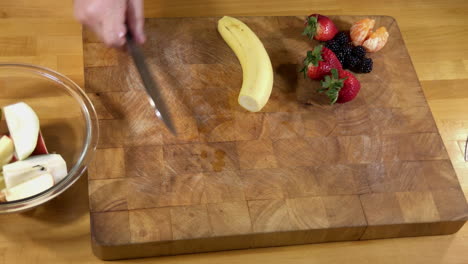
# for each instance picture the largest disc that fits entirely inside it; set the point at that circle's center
(334, 73)
(326, 82)
(322, 90)
(304, 71)
(332, 86)
(313, 57)
(311, 27)
(333, 95)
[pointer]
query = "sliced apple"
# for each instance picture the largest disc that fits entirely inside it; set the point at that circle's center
(41, 148)
(2, 187)
(7, 150)
(16, 176)
(29, 188)
(21, 171)
(23, 125)
(2, 181)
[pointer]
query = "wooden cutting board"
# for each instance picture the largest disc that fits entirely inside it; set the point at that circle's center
(294, 173)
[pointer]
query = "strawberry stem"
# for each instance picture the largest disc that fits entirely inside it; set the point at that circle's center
(313, 57)
(316, 55)
(304, 71)
(332, 86)
(311, 27)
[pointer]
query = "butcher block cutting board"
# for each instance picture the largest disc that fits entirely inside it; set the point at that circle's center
(300, 171)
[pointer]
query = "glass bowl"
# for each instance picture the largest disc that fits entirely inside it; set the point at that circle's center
(67, 118)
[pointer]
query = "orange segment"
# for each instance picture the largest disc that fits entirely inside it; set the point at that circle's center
(376, 40)
(360, 30)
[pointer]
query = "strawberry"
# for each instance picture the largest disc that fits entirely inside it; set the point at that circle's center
(341, 86)
(320, 28)
(319, 63)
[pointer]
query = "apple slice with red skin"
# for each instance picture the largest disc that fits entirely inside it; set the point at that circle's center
(23, 126)
(40, 149)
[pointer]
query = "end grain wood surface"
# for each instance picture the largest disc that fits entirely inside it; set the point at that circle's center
(42, 32)
(373, 168)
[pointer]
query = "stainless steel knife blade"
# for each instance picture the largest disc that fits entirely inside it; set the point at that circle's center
(155, 96)
(466, 149)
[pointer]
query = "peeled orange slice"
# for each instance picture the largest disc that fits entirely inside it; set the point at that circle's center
(360, 30)
(376, 40)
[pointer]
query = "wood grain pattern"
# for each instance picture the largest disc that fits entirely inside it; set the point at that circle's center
(59, 231)
(290, 174)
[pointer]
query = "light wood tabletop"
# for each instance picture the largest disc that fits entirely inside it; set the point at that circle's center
(43, 32)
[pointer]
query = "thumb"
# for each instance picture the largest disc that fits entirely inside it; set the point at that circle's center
(136, 20)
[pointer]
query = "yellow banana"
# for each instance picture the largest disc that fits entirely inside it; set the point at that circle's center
(256, 65)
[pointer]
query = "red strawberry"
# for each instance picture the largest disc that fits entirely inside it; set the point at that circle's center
(320, 28)
(319, 63)
(341, 86)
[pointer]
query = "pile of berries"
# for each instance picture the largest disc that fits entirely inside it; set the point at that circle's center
(351, 57)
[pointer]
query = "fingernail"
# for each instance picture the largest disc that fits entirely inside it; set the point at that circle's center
(121, 34)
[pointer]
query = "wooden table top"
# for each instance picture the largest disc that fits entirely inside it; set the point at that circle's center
(43, 32)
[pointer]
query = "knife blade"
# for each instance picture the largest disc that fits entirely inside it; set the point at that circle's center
(466, 150)
(156, 98)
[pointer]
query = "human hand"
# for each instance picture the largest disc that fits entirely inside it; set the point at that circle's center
(109, 19)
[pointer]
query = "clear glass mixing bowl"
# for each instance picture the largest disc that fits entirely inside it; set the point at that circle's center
(67, 117)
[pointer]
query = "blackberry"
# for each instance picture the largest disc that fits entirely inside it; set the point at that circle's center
(359, 51)
(334, 46)
(341, 57)
(342, 38)
(366, 65)
(352, 62)
(347, 50)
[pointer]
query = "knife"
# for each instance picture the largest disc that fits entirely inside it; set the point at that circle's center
(155, 97)
(466, 150)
